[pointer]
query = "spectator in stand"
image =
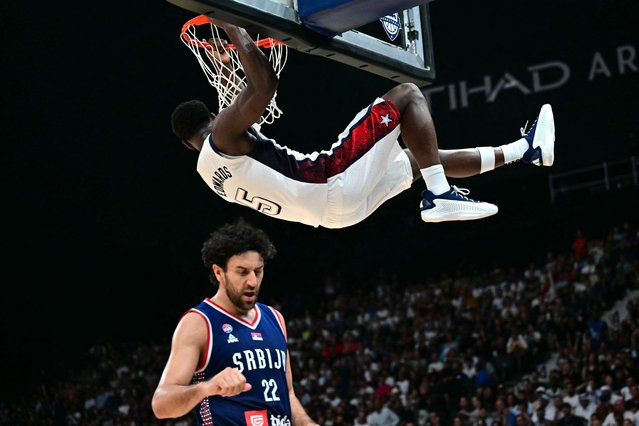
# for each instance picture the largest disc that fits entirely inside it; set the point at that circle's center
(555, 384)
(476, 406)
(538, 417)
(579, 245)
(618, 414)
(434, 419)
(517, 348)
(544, 410)
(604, 407)
(553, 409)
(629, 385)
(382, 415)
(568, 419)
(383, 388)
(595, 420)
(500, 415)
(586, 407)
(570, 395)
(465, 411)
(609, 385)
(538, 397)
(598, 329)
(483, 419)
(634, 410)
(519, 409)
(457, 421)
(523, 419)
(483, 379)
(361, 419)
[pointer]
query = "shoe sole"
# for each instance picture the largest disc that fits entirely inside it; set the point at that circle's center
(449, 210)
(545, 136)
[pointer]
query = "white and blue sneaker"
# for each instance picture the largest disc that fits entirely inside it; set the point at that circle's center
(453, 205)
(541, 139)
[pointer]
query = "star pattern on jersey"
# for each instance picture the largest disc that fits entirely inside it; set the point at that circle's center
(386, 119)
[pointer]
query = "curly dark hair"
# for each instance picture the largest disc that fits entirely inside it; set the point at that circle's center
(235, 238)
(188, 118)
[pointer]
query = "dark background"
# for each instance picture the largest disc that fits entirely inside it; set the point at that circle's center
(105, 214)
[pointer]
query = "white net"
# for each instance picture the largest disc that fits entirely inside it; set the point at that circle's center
(221, 63)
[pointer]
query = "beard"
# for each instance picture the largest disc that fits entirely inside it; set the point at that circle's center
(236, 298)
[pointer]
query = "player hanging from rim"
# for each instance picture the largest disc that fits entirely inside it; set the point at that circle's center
(367, 166)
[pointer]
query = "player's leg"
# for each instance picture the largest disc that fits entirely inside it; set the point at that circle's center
(536, 147)
(462, 163)
(440, 201)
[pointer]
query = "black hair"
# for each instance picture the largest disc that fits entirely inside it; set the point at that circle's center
(231, 239)
(189, 118)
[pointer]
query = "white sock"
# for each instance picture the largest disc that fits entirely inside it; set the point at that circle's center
(435, 179)
(514, 151)
(487, 155)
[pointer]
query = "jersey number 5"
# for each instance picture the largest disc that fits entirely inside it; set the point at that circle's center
(260, 204)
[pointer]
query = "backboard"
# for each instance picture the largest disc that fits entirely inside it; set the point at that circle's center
(344, 31)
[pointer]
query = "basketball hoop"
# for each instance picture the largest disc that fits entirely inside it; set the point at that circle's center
(221, 63)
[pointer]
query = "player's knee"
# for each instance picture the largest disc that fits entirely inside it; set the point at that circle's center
(404, 94)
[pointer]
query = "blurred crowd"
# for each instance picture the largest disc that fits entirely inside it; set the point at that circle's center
(555, 343)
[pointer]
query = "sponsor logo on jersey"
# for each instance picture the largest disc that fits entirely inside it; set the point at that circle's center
(256, 418)
(227, 328)
(280, 420)
(256, 336)
(232, 339)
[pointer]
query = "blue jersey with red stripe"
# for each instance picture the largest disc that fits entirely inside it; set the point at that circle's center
(259, 351)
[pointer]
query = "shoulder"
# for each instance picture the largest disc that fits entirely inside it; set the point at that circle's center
(231, 140)
(277, 314)
(193, 326)
(273, 310)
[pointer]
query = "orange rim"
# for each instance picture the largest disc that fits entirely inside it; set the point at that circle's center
(203, 20)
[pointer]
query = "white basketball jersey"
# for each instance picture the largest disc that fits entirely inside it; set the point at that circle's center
(332, 188)
(272, 180)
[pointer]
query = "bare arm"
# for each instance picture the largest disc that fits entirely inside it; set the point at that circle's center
(230, 125)
(299, 417)
(218, 54)
(174, 395)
